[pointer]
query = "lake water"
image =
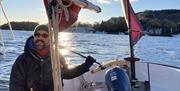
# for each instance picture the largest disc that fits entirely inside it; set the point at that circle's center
(103, 47)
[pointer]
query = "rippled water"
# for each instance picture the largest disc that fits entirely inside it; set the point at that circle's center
(102, 47)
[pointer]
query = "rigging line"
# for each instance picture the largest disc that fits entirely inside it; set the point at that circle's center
(56, 30)
(76, 24)
(73, 51)
(61, 3)
(54, 51)
(100, 65)
(2, 42)
(9, 24)
(64, 7)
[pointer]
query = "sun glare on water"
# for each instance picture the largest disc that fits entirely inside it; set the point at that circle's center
(65, 40)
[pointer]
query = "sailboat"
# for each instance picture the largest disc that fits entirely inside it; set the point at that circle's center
(129, 74)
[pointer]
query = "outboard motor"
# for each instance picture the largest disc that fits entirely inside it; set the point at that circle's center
(117, 80)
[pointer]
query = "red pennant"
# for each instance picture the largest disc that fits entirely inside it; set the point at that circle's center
(135, 27)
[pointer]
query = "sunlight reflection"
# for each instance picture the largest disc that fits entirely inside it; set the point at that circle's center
(64, 40)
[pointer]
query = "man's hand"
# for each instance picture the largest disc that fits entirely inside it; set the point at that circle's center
(90, 60)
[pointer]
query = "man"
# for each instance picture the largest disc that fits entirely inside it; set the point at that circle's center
(32, 69)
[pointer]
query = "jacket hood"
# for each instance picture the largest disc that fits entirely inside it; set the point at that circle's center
(30, 47)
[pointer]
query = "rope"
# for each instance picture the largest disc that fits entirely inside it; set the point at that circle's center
(1, 37)
(54, 52)
(53, 30)
(2, 42)
(100, 65)
(90, 86)
(54, 21)
(7, 20)
(62, 7)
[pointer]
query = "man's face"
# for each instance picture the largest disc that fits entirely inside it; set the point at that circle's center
(41, 40)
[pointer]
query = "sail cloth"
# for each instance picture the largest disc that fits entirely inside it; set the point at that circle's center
(69, 10)
(135, 27)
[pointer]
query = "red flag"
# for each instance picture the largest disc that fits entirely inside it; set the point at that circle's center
(73, 11)
(130, 17)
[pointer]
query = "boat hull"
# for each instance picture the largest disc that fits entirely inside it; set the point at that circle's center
(161, 78)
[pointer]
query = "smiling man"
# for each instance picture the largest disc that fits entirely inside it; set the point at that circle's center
(41, 40)
(32, 69)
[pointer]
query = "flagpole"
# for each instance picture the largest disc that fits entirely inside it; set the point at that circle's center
(131, 59)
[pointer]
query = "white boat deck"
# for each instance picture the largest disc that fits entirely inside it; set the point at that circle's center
(161, 78)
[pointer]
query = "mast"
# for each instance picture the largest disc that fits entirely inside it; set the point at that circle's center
(128, 13)
(60, 17)
(135, 33)
(132, 63)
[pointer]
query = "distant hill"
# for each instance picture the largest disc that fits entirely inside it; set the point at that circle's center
(170, 15)
(154, 22)
(157, 22)
(20, 25)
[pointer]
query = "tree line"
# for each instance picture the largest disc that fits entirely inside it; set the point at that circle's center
(162, 22)
(28, 26)
(157, 22)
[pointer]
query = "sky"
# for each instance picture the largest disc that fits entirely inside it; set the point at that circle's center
(33, 10)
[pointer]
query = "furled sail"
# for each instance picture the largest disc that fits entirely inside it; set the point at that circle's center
(68, 10)
(61, 15)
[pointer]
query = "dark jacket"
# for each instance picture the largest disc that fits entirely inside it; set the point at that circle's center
(32, 71)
